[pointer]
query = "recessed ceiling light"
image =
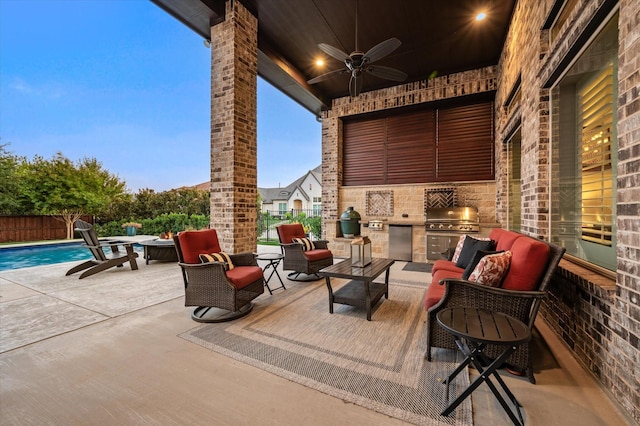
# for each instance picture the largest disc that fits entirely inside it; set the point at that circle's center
(480, 16)
(319, 62)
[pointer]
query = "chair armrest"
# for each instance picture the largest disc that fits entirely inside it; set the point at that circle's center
(294, 252)
(462, 293)
(244, 259)
(110, 244)
(204, 273)
(321, 244)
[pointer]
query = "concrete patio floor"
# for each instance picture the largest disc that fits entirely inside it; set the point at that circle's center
(104, 351)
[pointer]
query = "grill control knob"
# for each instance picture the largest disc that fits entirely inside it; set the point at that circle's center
(450, 226)
(441, 226)
(431, 226)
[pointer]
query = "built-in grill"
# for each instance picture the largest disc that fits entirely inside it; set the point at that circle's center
(452, 219)
(444, 226)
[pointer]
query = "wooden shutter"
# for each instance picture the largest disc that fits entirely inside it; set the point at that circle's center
(411, 148)
(363, 155)
(465, 143)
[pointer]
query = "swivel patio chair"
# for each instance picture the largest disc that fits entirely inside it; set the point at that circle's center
(102, 260)
(221, 285)
(305, 258)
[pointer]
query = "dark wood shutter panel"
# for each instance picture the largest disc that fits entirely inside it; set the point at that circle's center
(363, 155)
(465, 143)
(411, 148)
(431, 145)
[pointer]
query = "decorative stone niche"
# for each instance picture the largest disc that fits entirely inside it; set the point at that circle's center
(379, 203)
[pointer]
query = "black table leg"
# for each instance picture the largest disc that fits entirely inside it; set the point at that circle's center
(474, 356)
(273, 265)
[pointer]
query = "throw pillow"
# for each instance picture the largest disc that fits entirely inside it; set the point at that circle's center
(217, 257)
(456, 252)
(479, 254)
(307, 244)
(492, 269)
(469, 248)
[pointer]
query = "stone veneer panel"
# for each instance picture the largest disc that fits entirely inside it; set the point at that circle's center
(234, 70)
(598, 318)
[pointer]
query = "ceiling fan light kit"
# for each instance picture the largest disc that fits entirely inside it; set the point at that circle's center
(359, 62)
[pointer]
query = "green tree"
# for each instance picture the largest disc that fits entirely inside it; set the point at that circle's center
(10, 188)
(65, 190)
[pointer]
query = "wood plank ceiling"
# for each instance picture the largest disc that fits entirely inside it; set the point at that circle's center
(438, 37)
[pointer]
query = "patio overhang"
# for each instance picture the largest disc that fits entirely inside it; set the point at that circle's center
(445, 42)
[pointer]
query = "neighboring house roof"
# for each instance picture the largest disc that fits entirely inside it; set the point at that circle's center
(269, 195)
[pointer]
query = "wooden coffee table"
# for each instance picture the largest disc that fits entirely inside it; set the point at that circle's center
(361, 290)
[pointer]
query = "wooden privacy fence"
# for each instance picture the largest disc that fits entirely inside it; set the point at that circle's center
(33, 228)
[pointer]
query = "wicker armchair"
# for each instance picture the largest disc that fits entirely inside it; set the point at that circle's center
(522, 305)
(220, 293)
(304, 263)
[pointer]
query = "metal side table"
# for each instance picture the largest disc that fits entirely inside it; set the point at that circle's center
(473, 329)
(274, 260)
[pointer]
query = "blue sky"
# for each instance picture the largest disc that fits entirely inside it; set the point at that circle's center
(124, 82)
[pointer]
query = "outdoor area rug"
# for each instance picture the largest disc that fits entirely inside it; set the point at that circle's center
(377, 364)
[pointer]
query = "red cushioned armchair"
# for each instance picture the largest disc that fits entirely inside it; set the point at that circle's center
(220, 292)
(299, 258)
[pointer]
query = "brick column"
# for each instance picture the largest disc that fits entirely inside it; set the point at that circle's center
(234, 69)
(331, 174)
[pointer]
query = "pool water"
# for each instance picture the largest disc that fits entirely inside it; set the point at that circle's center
(44, 254)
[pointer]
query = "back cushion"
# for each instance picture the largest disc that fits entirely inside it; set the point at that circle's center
(506, 240)
(528, 263)
(194, 243)
(289, 231)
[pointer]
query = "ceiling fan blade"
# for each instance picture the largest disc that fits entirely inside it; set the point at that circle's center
(355, 84)
(334, 52)
(386, 73)
(382, 49)
(325, 76)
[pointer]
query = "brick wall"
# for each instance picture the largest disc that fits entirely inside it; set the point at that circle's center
(408, 199)
(598, 318)
(234, 68)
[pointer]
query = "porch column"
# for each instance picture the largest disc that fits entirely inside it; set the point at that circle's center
(234, 70)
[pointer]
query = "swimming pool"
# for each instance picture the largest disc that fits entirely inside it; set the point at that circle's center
(43, 254)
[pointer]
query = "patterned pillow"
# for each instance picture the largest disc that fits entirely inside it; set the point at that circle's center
(492, 269)
(458, 250)
(307, 244)
(456, 253)
(476, 259)
(217, 257)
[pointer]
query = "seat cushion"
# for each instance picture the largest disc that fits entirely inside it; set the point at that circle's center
(317, 254)
(442, 264)
(435, 291)
(528, 262)
(242, 276)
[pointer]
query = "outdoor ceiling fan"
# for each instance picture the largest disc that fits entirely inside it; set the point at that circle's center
(359, 62)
